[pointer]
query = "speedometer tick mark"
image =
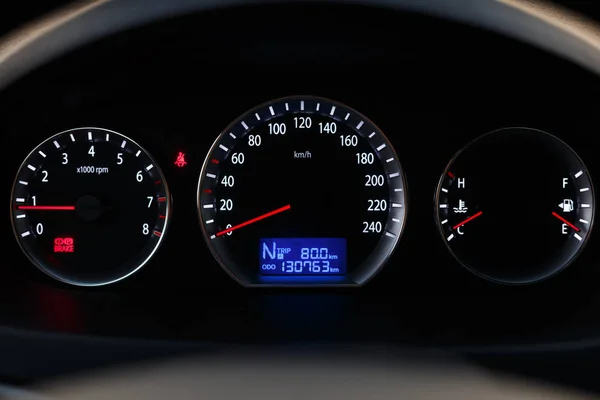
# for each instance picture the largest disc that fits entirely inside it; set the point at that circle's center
(332, 110)
(271, 110)
(56, 144)
(371, 135)
(210, 221)
(123, 144)
(208, 206)
(213, 236)
(347, 116)
(31, 167)
(211, 176)
(395, 220)
(107, 138)
(223, 148)
(398, 190)
(72, 137)
(245, 126)
(394, 175)
(138, 153)
(360, 124)
(396, 205)
(20, 216)
(302, 105)
(287, 107)
(257, 116)
(381, 147)
(23, 183)
(25, 234)
(232, 135)
(318, 106)
(41, 153)
(389, 234)
(389, 160)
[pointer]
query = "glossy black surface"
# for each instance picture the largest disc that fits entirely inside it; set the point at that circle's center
(432, 87)
(515, 206)
(314, 169)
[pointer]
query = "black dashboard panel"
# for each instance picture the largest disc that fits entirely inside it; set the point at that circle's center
(431, 86)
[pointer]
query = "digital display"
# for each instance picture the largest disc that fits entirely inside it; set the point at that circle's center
(302, 256)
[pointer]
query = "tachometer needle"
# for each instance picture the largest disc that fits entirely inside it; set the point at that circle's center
(253, 220)
(47, 208)
(471, 218)
(576, 229)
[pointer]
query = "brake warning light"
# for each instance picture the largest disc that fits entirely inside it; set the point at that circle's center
(64, 245)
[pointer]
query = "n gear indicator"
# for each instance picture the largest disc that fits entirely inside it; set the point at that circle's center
(515, 206)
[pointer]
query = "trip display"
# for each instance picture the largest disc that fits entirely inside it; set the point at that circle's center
(89, 206)
(516, 205)
(302, 167)
(303, 256)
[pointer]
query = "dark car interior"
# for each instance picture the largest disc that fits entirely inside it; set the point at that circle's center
(299, 101)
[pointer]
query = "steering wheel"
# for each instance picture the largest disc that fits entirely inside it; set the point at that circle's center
(291, 376)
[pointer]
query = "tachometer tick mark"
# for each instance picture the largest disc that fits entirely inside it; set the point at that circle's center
(149, 167)
(232, 135)
(123, 144)
(138, 153)
(157, 233)
(72, 137)
(214, 161)
(90, 137)
(31, 167)
(162, 199)
(25, 234)
(41, 153)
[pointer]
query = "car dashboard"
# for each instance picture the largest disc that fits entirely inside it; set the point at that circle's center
(430, 90)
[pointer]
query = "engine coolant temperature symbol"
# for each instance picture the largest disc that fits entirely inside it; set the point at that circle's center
(515, 206)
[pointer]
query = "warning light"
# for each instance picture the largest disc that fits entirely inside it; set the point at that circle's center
(64, 245)
(180, 161)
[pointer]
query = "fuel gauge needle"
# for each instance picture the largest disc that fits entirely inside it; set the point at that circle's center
(471, 218)
(576, 229)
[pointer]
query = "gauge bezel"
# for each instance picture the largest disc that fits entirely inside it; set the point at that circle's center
(383, 250)
(48, 272)
(541, 277)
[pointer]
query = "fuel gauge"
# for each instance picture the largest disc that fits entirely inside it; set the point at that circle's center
(515, 206)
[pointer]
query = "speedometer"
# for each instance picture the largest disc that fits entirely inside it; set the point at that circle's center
(302, 191)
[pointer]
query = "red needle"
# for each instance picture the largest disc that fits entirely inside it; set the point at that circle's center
(576, 229)
(471, 218)
(47, 208)
(253, 220)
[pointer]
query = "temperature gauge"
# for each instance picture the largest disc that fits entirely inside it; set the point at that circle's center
(515, 206)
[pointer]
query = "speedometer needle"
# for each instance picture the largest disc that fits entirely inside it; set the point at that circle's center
(471, 218)
(47, 208)
(253, 220)
(576, 229)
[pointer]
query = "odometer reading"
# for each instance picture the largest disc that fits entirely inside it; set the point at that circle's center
(303, 169)
(302, 256)
(89, 206)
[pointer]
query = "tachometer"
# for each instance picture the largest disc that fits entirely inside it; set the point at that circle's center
(89, 206)
(302, 191)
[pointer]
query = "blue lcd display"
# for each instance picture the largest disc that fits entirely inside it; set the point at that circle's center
(302, 256)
